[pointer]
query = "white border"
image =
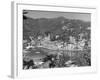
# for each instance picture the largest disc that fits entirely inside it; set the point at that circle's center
(17, 70)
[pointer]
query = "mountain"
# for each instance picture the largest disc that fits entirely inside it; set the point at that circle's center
(35, 27)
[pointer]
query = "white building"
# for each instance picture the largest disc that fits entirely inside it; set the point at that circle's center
(81, 44)
(72, 40)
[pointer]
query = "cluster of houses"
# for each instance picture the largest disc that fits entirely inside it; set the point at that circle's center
(58, 45)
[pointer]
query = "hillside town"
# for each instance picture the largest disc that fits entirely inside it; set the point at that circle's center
(55, 42)
(55, 45)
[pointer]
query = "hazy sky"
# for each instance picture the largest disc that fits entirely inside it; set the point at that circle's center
(52, 14)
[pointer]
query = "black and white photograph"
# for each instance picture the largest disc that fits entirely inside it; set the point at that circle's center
(56, 39)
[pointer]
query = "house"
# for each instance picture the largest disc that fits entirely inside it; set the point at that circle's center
(81, 44)
(47, 38)
(29, 46)
(72, 40)
(81, 35)
(64, 27)
(71, 47)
